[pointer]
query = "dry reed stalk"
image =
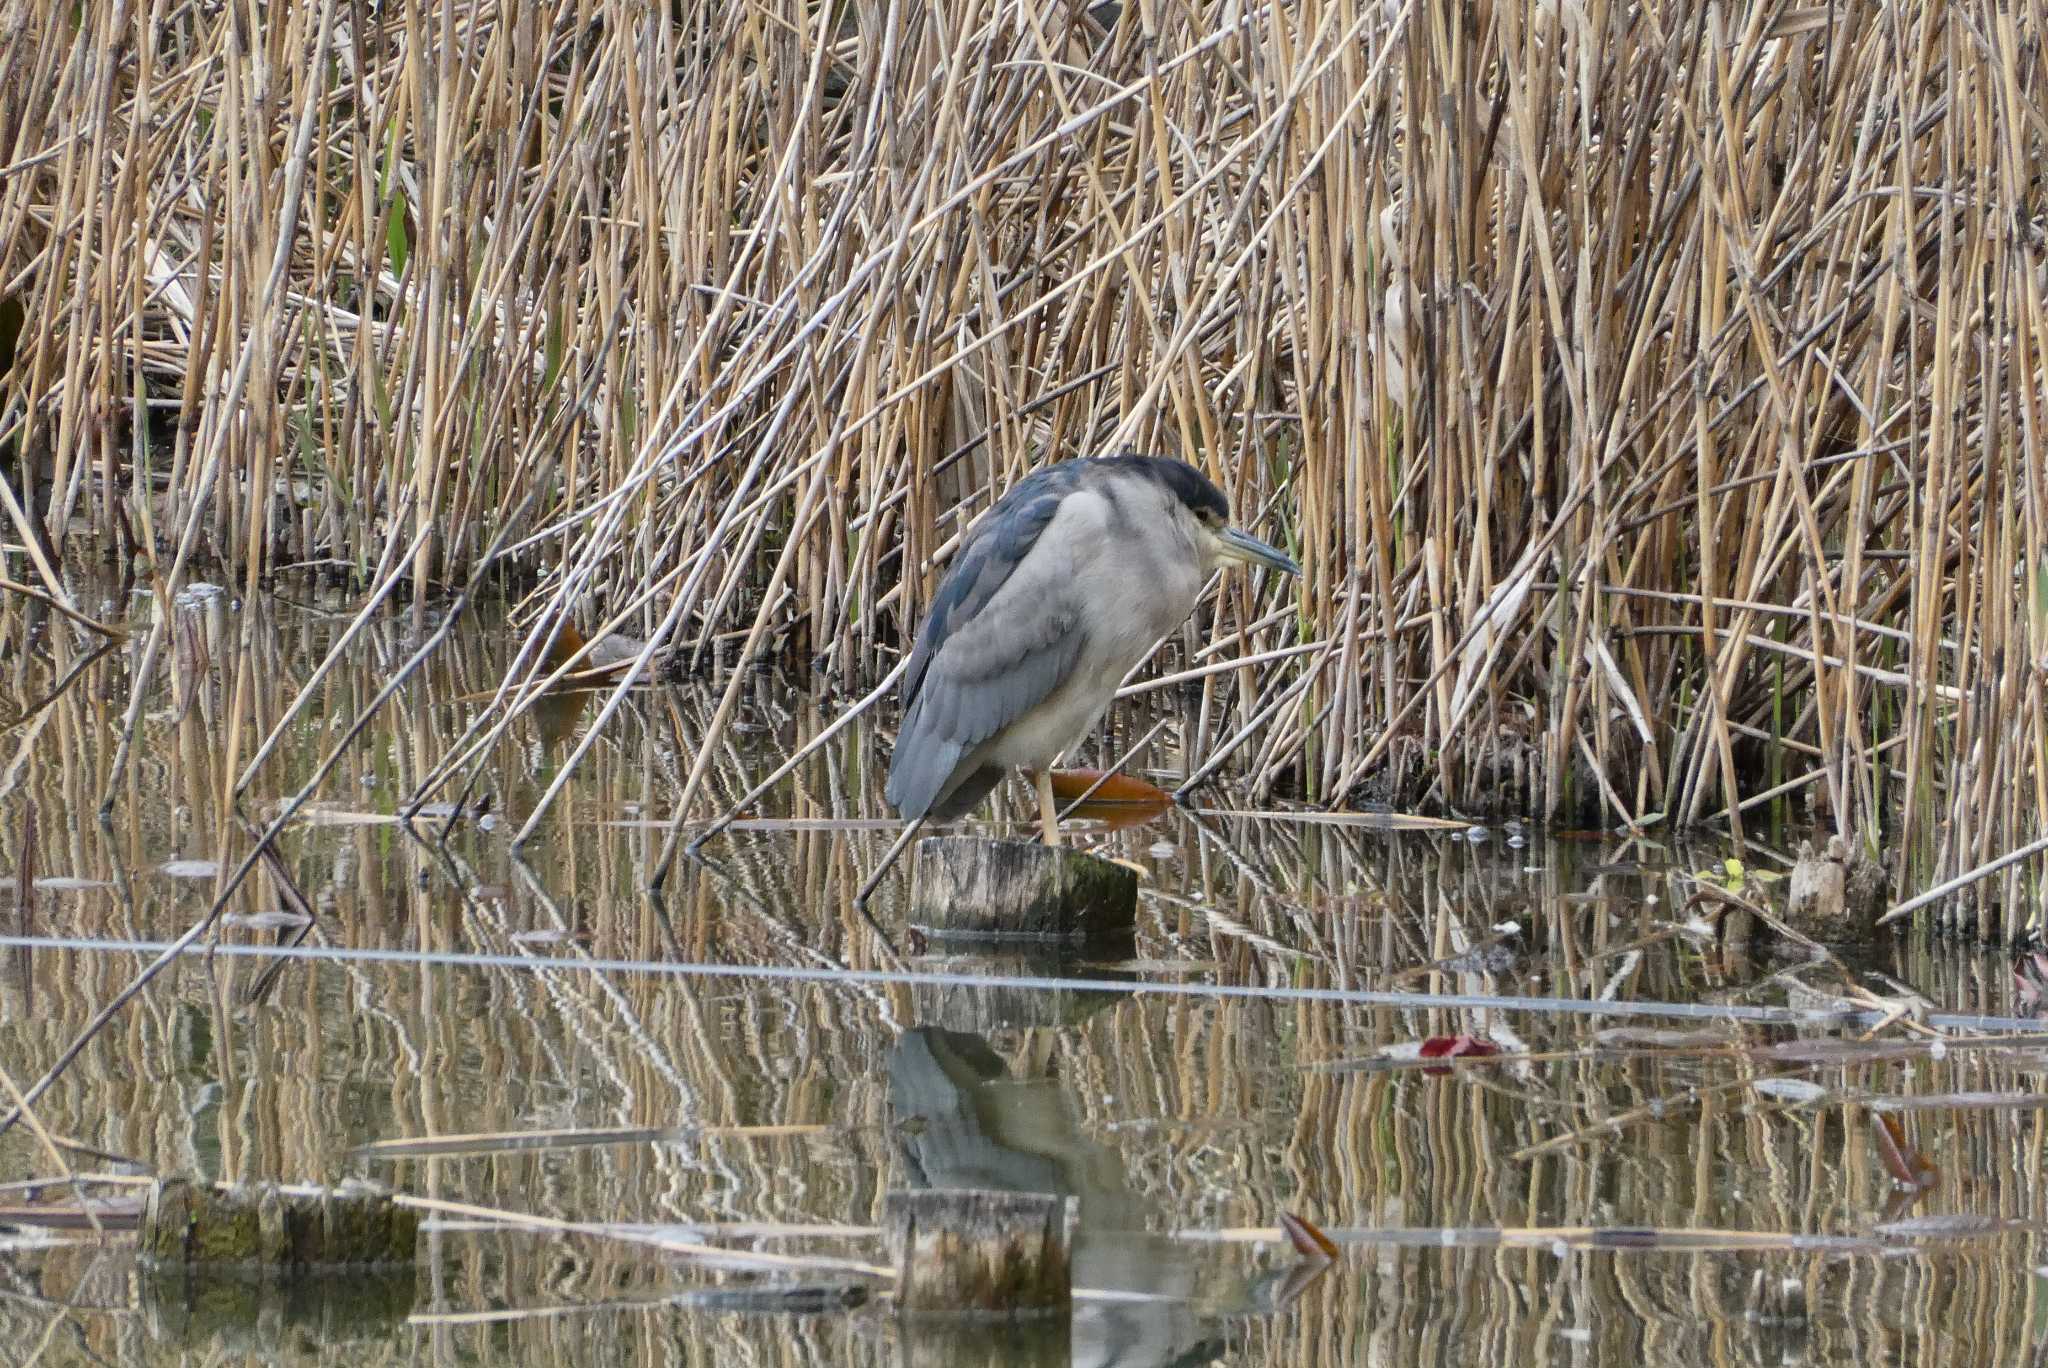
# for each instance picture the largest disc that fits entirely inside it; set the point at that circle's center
(1652, 394)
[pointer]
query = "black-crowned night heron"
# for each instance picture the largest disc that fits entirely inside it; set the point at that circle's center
(1069, 581)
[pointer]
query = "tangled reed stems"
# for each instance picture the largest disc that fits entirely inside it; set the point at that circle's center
(1651, 392)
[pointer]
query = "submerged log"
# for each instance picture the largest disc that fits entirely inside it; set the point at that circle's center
(788, 1299)
(970, 886)
(1004, 1253)
(265, 1226)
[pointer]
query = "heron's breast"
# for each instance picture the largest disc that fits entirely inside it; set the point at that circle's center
(1141, 597)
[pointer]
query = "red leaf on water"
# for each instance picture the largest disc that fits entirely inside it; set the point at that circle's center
(1907, 1165)
(1452, 1047)
(1308, 1242)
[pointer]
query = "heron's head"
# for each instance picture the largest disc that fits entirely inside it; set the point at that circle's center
(1215, 539)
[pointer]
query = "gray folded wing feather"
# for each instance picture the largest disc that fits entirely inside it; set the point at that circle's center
(984, 657)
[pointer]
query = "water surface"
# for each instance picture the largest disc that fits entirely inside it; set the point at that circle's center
(743, 1062)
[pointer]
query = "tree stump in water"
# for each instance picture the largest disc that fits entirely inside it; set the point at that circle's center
(1834, 893)
(969, 886)
(265, 1226)
(1003, 1253)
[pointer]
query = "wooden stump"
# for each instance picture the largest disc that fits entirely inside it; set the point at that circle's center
(1002, 1253)
(972, 887)
(266, 1226)
(1835, 893)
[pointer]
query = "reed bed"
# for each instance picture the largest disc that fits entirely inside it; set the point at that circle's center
(1651, 393)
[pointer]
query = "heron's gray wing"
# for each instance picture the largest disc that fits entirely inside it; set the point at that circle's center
(984, 658)
(992, 670)
(987, 557)
(968, 788)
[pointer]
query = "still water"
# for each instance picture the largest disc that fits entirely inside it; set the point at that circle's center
(742, 1063)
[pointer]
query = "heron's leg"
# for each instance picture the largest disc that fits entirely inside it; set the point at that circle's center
(1048, 810)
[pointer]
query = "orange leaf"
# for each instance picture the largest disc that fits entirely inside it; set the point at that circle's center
(1308, 1241)
(1067, 785)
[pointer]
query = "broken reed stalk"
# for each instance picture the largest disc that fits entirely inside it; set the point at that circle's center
(1589, 368)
